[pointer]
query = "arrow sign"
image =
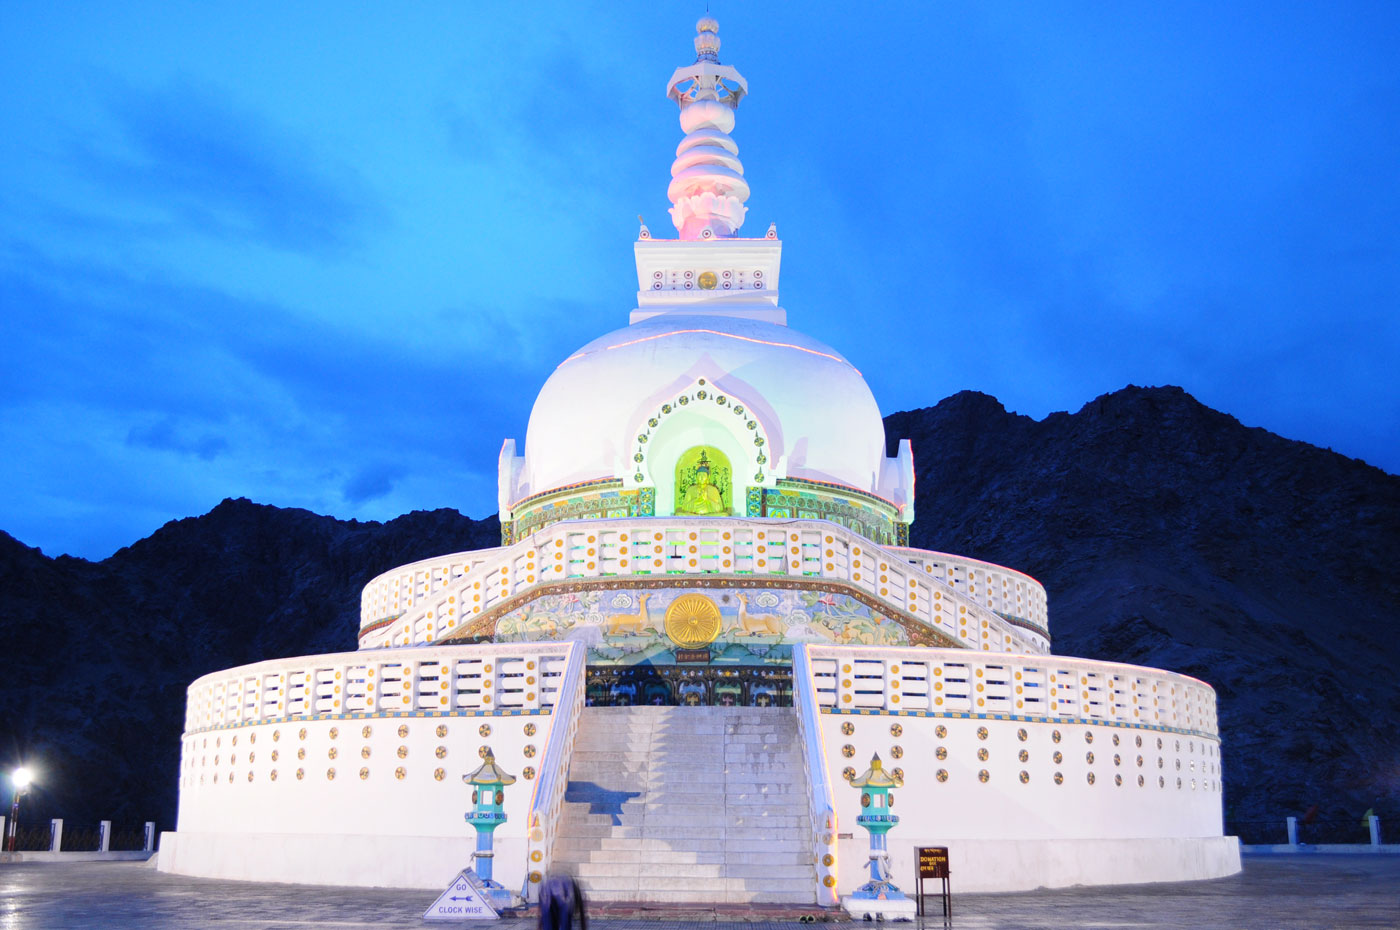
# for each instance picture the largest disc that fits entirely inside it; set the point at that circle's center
(463, 900)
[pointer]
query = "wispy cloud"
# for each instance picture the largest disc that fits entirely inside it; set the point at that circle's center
(122, 389)
(187, 153)
(168, 435)
(371, 482)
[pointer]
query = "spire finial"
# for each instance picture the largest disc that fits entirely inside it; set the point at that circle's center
(707, 38)
(707, 187)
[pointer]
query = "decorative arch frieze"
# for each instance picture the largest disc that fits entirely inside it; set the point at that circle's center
(757, 469)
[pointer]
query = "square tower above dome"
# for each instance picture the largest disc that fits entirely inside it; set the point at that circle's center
(721, 277)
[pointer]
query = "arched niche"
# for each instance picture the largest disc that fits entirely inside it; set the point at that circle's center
(681, 433)
(699, 416)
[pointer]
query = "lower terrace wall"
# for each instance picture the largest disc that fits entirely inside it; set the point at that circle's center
(365, 796)
(1080, 791)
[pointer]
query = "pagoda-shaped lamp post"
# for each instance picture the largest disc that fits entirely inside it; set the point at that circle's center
(488, 794)
(878, 897)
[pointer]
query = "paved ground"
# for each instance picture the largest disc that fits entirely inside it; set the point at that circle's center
(1273, 893)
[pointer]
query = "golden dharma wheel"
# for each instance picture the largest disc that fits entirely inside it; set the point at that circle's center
(693, 620)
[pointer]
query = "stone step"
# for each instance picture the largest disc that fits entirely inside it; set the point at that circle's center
(688, 805)
(695, 874)
(711, 795)
(767, 788)
(715, 823)
(637, 859)
(644, 840)
(698, 807)
(795, 896)
(781, 845)
(712, 865)
(738, 894)
(604, 827)
(626, 876)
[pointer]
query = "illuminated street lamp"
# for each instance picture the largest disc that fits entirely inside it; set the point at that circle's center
(20, 779)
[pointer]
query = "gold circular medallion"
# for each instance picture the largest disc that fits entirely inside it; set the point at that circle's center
(692, 620)
(708, 280)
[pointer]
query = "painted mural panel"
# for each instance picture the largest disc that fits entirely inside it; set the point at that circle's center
(738, 626)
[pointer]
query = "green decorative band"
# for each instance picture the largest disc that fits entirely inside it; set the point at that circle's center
(380, 624)
(597, 484)
(808, 483)
(377, 715)
(483, 626)
(1024, 624)
(595, 503)
(831, 503)
(1021, 718)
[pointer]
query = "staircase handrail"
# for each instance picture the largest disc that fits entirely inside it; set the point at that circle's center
(546, 805)
(819, 795)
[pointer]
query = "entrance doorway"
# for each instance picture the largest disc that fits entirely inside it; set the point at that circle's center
(688, 686)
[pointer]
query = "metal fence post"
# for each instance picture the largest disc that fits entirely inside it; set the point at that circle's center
(1292, 831)
(104, 833)
(1375, 825)
(56, 834)
(150, 836)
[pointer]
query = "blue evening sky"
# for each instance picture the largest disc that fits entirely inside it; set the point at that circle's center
(324, 254)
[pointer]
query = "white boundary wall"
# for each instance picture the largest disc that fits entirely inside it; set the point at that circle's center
(292, 771)
(1113, 775)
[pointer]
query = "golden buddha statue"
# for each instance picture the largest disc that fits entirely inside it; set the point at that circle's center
(702, 498)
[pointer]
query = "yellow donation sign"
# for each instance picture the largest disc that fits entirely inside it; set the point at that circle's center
(692, 620)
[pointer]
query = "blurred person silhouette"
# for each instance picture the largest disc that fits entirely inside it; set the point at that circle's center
(561, 904)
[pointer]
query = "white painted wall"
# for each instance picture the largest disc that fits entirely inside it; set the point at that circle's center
(397, 798)
(982, 865)
(1021, 827)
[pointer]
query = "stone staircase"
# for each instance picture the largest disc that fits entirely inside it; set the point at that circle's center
(688, 804)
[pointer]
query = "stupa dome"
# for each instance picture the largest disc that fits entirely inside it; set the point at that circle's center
(813, 410)
(707, 404)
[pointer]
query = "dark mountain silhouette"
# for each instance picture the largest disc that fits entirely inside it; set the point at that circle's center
(1166, 533)
(100, 653)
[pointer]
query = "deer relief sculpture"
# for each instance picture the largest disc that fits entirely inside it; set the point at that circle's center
(621, 624)
(757, 624)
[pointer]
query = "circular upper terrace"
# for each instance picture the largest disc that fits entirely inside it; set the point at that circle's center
(958, 601)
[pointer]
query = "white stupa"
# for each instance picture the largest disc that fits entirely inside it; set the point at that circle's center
(704, 619)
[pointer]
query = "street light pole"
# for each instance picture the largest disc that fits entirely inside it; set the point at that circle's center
(20, 779)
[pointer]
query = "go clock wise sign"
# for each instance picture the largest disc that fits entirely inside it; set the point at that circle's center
(462, 900)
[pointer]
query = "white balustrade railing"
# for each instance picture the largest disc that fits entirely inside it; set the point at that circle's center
(820, 803)
(547, 803)
(441, 679)
(1001, 589)
(956, 682)
(447, 593)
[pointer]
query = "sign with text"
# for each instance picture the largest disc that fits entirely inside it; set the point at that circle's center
(462, 900)
(933, 861)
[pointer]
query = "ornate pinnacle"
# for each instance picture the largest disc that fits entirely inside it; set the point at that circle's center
(707, 189)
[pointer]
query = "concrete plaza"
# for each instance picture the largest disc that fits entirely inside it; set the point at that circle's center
(1273, 892)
